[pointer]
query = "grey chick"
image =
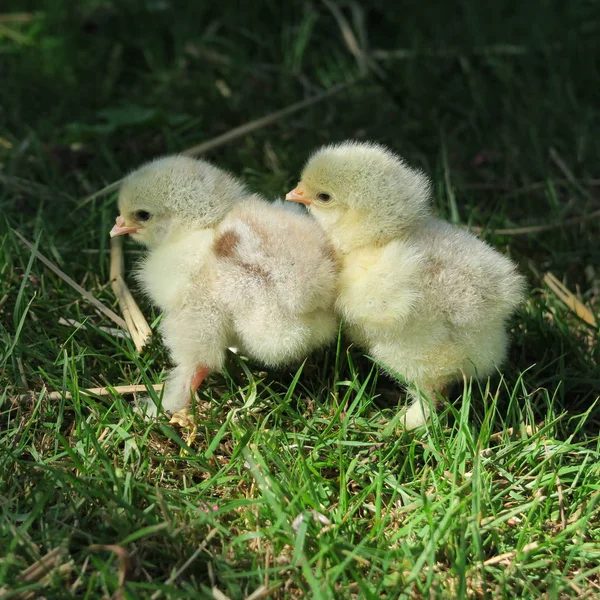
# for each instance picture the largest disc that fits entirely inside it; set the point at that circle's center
(227, 268)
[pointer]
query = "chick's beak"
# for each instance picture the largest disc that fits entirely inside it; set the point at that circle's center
(121, 227)
(297, 195)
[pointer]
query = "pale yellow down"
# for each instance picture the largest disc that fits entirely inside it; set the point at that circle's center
(228, 269)
(428, 300)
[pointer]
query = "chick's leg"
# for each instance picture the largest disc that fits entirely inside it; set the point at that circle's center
(197, 341)
(200, 374)
(423, 401)
(181, 385)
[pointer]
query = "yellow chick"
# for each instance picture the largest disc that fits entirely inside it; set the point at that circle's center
(425, 298)
(227, 268)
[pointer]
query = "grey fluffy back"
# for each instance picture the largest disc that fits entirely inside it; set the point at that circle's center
(471, 282)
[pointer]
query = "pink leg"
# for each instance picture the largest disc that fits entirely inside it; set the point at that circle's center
(198, 377)
(181, 381)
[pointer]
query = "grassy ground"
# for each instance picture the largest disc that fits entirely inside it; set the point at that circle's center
(298, 481)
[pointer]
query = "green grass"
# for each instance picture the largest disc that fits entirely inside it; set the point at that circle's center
(318, 493)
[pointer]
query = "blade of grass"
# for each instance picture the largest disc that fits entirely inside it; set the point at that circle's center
(106, 311)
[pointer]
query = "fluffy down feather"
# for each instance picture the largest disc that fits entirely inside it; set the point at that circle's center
(425, 298)
(228, 269)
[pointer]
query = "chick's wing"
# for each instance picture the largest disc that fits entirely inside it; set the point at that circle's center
(466, 279)
(269, 255)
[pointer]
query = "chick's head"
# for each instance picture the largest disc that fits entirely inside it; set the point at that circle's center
(172, 195)
(362, 192)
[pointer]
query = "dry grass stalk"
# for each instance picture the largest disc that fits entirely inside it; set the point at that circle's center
(19, 17)
(109, 189)
(109, 313)
(114, 331)
(537, 185)
(508, 557)
(562, 165)
(123, 390)
(43, 566)
(529, 431)
(211, 534)
(23, 376)
(561, 504)
(218, 594)
(267, 565)
(136, 323)
(13, 35)
(262, 592)
(31, 188)
(241, 131)
(348, 35)
(571, 301)
(539, 228)
(358, 50)
(251, 126)
(40, 572)
(123, 556)
(494, 49)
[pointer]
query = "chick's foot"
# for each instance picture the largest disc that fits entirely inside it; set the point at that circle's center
(146, 407)
(422, 403)
(417, 414)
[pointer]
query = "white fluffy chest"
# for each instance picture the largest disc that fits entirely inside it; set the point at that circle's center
(378, 287)
(170, 272)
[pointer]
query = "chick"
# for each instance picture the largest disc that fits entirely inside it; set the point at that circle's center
(425, 298)
(227, 269)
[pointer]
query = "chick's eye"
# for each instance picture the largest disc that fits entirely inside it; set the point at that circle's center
(323, 197)
(141, 215)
